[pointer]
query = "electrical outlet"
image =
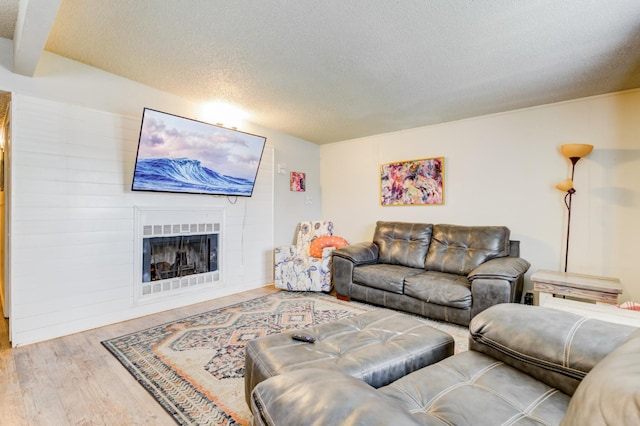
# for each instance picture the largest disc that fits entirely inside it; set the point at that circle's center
(308, 199)
(282, 169)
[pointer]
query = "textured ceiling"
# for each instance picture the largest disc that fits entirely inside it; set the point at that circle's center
(333, 70)
(8, 15)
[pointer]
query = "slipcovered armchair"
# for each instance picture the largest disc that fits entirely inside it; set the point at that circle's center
(296, 269)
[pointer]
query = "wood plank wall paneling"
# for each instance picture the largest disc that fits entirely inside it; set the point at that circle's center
(72, 222)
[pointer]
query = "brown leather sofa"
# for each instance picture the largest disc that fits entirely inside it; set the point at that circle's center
(445, 272)
(526, 365)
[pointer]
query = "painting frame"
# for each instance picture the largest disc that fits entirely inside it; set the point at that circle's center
(419, 182)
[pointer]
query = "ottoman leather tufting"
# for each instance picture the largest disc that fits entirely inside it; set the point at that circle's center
(377, 347)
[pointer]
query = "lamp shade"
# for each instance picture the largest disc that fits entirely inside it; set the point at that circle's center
(565, 186)
(576, 150)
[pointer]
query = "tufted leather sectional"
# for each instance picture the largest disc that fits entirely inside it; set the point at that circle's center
(377, 347)
(526, 365)
(445, 272)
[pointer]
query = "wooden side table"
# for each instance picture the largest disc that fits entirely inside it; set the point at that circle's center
(579, 286)
(601, 290)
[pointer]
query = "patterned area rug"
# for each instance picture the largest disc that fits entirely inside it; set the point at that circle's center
(194, 367)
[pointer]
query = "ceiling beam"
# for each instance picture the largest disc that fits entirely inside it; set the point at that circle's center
(35, 19)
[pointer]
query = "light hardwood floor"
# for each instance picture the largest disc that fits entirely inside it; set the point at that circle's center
(73, 380)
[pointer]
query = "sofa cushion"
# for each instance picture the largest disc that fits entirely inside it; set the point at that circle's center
(609, 394)
(384, 277)
(319, 396)
(440, 288)
(403, 243)
(473, 389)
(459, 249)
(554, 346)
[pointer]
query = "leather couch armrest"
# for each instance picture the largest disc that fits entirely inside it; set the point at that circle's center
(508, 268)
(487, 292)
(556, 347)
(609, 395)
(330, 397)
(359, 254)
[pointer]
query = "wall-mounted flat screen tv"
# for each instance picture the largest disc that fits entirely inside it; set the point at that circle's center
(178, 154)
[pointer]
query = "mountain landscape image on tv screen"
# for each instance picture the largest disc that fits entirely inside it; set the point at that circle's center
(177, 154)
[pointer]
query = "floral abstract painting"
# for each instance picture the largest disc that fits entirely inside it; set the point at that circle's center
(414, 182)
(297, 182)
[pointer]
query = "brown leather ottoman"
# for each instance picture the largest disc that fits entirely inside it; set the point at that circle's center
(377, 347)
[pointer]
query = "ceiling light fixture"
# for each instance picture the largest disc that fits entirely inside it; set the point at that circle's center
(224, 114)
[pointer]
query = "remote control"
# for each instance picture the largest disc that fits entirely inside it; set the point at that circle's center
(303, 338)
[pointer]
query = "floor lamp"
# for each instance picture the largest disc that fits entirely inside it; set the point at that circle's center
(573, 152)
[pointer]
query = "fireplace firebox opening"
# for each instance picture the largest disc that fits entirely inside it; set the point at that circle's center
(178, 256)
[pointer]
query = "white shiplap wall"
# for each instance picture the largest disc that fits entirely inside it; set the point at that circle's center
(72, 222)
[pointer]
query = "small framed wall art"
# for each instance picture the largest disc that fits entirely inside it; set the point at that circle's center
(297, 181)
(412, 183)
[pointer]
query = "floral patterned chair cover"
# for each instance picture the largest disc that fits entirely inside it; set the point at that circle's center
(295, 269)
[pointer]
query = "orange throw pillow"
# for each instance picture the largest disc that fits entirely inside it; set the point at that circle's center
(315, 249)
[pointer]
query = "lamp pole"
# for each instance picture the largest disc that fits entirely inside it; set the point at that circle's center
(566, 253)
(570, 193)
